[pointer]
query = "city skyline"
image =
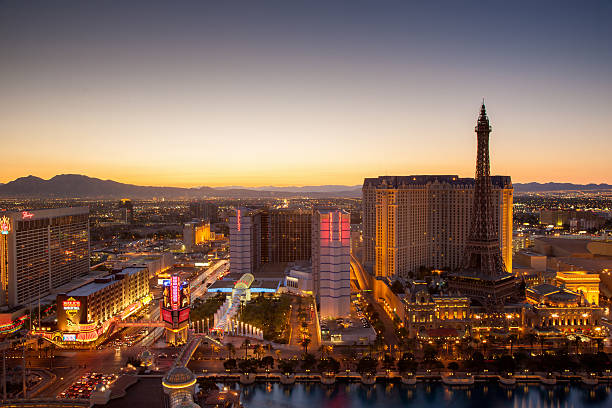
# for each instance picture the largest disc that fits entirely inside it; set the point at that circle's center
(303, 94)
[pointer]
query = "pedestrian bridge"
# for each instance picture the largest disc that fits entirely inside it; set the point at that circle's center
(358, 273)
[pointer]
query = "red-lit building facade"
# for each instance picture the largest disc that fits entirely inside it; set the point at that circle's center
(174, 307)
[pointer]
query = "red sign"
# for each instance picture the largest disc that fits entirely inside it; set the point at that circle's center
(183, 315)
(26, 215)
(71, 304)
(167, 316)
(238, 219)
(174, 291)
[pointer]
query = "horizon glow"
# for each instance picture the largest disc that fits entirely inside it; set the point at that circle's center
(303, 93)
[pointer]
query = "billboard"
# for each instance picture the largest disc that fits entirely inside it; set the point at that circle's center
(176, 294)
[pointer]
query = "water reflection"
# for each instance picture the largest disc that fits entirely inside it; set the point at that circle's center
(423, 395)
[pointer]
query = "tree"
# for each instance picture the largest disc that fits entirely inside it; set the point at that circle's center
(304, 343)
(268, 361)
(231, 350)
(246, 345)
(259, 351)
(512, 339)
(407, 363)
(367, 365)
(308, 361)
(247, 366)
(531, 339)
(388, 362)
(287, 366)
(505, 364)
(229, 364)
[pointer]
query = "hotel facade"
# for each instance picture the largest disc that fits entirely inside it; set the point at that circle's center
(41, 250)
(415, 221)
(331, 246)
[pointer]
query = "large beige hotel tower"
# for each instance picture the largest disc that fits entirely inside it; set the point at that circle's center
(415, 221)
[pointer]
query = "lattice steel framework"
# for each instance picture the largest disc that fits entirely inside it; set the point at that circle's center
(482, 251)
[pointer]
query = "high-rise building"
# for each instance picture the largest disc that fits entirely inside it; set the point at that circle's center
(418, 221)
(331, 246)
(126, 209)
(288, 237)
(41, 250)
(196, 233)
(483, 276)
(245, 240)
(268, 236)
(205, 210)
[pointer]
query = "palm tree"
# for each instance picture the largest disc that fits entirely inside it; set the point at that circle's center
(259, 351)
(531, 338)
(231, 350)
(305, 342)
(512, 339)
(246, 345)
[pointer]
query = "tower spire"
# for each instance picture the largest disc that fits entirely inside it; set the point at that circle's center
(482, 257)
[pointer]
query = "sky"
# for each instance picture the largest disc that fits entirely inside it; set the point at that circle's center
(252, 93)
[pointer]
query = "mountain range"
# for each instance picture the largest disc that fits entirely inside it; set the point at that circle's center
(80, 186)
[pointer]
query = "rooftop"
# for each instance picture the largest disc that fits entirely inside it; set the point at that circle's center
(422, 180)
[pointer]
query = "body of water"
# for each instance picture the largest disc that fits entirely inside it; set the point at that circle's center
(423, 395)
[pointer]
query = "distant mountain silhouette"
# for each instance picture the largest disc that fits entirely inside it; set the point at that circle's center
(547, 187)
(79, 186)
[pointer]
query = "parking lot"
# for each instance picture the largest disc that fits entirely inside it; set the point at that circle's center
(84, 386)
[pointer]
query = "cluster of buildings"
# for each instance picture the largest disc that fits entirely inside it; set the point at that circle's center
(313, 246)
(44, 259)
(575, 220)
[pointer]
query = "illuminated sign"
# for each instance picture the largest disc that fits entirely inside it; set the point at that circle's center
(331, 220)
(183, 315)
(71, 304)
(69, 337)
(166, 316)
(26, 215)
(238, 219)
(339, 227)
(163, 281)
(174, 290)
(5, 225)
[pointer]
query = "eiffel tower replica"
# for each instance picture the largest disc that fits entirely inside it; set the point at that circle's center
(483, 276)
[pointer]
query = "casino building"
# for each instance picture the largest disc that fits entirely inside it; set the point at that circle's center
(86, 313)
(41, 250)
(175, 307)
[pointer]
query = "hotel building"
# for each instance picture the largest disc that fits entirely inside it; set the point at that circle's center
(41, 250)
(331, 246)
(85, 313)
(414, 221)
(196, 233)
(245, 240)
(268, 236)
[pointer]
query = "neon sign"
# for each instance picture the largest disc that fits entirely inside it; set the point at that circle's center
(71, 304)
(331, 220)
(5, 225)
(238, 219)
(69, 337)
(174, 291)
(26, 215)
(339, 226)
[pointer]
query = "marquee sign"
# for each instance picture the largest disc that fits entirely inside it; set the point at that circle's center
(71, 306)
(26, 215)
(174, 291)
(5, 225)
